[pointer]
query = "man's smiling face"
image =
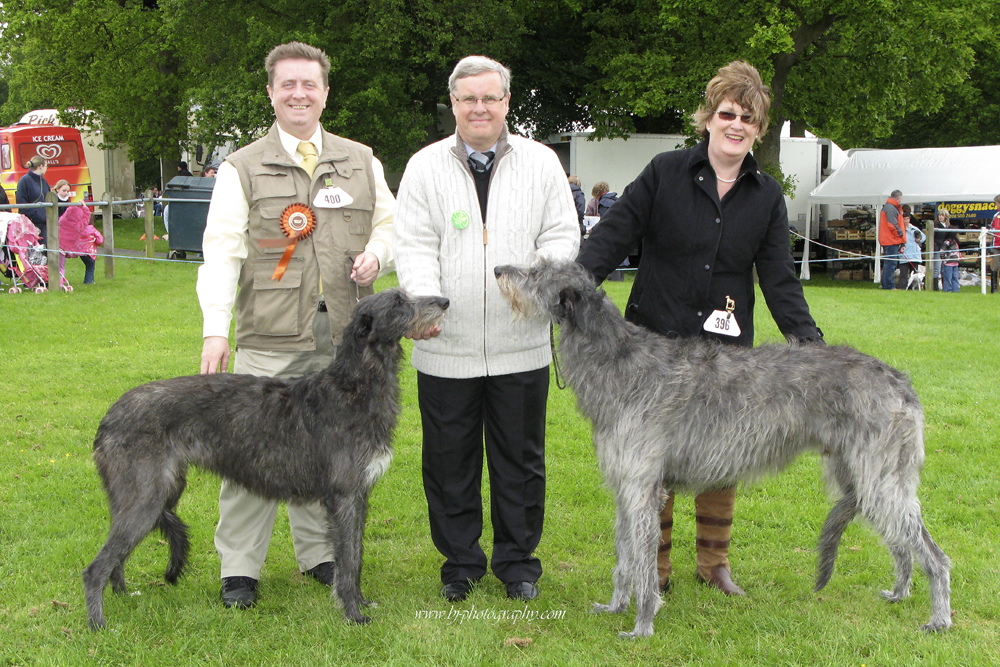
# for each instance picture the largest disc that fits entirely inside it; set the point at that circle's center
(298, 95)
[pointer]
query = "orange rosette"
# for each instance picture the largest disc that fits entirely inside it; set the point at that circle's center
(297, 222)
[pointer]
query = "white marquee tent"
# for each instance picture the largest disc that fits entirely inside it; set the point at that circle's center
(969, 173)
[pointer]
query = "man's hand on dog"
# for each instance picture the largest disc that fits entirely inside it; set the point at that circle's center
(214, 355)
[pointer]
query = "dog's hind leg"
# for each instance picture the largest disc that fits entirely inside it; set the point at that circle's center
(345, 535)
(128, 528)
(176, 533)
(937, 566)
(842, 513)
(622, 586)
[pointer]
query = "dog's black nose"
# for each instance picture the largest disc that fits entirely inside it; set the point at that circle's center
(443, 302)
(498, 271)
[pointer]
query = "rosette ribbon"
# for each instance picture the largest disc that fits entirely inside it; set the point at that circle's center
(297, 222)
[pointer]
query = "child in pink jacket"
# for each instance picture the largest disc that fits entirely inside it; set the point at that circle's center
(78, 238)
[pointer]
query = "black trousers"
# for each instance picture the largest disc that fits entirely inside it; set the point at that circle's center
(508, 412)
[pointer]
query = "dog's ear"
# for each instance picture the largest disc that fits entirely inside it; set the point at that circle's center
(364, 327)
(566, 310)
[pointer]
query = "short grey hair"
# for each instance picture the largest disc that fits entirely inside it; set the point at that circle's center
(895, 194)
(476, 65)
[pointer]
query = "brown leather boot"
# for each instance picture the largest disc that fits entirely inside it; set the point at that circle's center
(714, 525)
(663, 565)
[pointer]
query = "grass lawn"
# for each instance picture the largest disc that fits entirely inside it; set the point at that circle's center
(67, 357)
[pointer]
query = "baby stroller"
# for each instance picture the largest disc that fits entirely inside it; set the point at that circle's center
(22, 256)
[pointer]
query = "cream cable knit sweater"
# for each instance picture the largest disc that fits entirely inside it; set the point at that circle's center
(440, 250)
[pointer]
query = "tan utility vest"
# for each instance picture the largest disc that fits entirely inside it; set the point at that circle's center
(277, 315)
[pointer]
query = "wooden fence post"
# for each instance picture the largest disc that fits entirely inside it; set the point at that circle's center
(52, 238)
(108, 249)
(148, 214)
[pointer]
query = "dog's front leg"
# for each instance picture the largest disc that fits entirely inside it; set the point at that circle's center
(345, 535)
(622, 591)
(645, 540)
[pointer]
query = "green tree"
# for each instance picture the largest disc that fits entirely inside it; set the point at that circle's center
(847, 68)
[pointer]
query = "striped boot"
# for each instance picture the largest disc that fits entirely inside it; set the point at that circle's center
(714, 524)
(663, 565)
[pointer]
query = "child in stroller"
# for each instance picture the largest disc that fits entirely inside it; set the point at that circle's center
(22, 256)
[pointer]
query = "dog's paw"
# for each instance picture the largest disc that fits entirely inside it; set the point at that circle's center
(637, 633)
(360, 619)
(936, 626)
(599, 608)
(890, 596)
(369, 603)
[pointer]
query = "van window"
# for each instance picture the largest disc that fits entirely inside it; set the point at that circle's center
(5, 157)
(57, 153)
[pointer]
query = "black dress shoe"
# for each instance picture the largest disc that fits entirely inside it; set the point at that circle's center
(323, 573)
(522, 590)
(456, 591)
(239, 592)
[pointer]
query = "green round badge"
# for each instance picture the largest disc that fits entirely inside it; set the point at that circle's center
(460, 219)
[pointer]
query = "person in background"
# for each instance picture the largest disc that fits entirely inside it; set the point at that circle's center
(891, 236)
(943, 221)
(602, 199)
(209, 172)
(707, 217)
(154, 193)
(77, 236)
(467, 204)
(290, 308)
(182, 169)
(579, 199)
(950, 257)
(31, 189)
(911, 255)
(994, 247)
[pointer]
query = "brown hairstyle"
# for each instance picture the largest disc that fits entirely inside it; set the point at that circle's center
(296, 51)
(37, 162)
(61, 182)
(599, 189)
(946, 213)
(737, 82)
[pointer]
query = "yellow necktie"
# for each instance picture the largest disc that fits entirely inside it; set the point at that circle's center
(308, 153)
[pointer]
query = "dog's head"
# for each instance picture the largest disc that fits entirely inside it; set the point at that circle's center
(391, 314)
(555, 289)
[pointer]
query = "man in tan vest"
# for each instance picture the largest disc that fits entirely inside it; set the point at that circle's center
(299, 227)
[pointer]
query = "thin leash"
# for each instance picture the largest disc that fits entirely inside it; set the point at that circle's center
(555, 357)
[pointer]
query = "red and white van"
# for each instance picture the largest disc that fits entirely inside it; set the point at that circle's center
(61, 146)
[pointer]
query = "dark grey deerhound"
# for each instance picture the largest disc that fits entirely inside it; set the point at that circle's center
(323, 437)
(690, 414)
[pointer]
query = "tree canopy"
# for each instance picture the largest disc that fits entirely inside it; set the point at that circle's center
(163, 73)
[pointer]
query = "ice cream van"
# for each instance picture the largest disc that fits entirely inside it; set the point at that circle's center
(62, 147)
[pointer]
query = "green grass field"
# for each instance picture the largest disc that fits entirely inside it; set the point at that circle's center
(67, 357)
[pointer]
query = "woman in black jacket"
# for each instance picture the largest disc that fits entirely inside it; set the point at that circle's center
(32, 189)
(707, 217)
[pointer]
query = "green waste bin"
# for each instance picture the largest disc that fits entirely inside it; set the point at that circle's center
(185, 220)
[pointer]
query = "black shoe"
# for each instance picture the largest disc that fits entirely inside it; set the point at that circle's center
(239, 592)
(522, 590)
(456, 591)
(323, 573)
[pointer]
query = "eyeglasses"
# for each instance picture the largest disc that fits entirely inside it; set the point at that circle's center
(487, 100)
(729, 116)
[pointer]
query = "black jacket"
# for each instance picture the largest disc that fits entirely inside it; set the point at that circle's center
(31, 189)
(697, 250)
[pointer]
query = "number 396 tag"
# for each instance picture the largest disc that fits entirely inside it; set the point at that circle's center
(721, 322)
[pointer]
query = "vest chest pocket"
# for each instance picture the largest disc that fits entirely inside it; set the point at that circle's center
(265, 184)
(358, 222)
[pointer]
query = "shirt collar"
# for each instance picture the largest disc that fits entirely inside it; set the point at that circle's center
(291, 144)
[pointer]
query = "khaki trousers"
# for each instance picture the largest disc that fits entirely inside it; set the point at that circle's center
(246, 520)
(713, 523)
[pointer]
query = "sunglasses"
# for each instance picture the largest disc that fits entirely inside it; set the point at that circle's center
(729, 116)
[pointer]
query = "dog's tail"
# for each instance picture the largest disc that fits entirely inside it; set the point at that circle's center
(176, 533)
(829, 539)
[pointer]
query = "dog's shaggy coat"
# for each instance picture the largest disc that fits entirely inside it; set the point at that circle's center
(323, 437)
(694, 415)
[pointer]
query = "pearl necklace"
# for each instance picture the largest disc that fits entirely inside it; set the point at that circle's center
(726, 180)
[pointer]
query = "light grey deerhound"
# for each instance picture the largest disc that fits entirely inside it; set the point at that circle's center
(691, 414)
(323, 437)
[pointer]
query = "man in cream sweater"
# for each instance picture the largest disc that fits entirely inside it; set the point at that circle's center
(474, 201)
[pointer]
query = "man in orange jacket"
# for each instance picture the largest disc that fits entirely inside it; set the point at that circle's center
(891, 236)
